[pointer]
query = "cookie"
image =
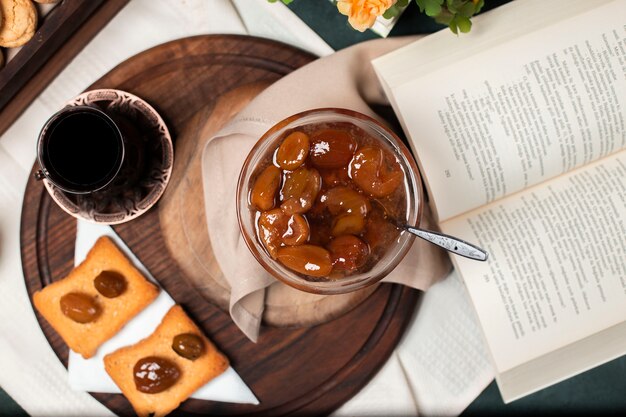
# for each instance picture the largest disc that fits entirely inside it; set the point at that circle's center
(96, 299)
(204, 365)
(19, 22)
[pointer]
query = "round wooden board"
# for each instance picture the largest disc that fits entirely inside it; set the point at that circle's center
(295, 370)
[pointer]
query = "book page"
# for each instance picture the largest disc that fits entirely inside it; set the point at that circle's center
(519, 113)
(557, 262)
(489, 29)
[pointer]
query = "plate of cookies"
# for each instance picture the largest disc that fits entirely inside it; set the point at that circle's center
(308, 367)
(19, 21)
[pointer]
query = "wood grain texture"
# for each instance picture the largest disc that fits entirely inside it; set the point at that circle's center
(61, 35)
(295, 370)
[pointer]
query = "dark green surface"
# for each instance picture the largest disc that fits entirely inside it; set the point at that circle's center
(599, 391)
(8, 407)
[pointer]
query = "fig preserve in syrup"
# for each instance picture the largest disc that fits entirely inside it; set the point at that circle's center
(327, 199)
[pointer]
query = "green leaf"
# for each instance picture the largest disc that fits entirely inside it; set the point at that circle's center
(287, 1)
(402, 3)
(479, 6)
(453, 27)
(433, 7)
(444, 18)
(463, 23)
(467, 10)
(454, 5)
(391, 12)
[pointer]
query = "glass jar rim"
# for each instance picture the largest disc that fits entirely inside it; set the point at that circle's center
(352, 282)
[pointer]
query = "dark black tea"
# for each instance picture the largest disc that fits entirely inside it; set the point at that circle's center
(81, 149)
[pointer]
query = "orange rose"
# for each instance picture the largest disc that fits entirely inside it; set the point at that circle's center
(362, 13)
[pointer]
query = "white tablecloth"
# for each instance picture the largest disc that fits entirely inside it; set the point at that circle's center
(439, 367)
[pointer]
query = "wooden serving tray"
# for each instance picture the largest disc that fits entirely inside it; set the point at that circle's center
(61, 34)
(294, 370)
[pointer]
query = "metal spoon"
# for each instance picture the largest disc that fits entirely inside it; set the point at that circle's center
(447, 242)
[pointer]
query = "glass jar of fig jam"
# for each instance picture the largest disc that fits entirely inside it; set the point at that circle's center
(320, 196)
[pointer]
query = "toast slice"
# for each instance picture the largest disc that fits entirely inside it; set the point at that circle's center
(193, 373)
(85, 338)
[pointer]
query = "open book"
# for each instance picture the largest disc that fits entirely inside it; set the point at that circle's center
(519, 129)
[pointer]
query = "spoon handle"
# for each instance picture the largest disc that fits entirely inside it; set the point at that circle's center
(452, 244)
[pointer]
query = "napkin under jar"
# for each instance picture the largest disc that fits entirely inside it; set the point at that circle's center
(345, 79)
